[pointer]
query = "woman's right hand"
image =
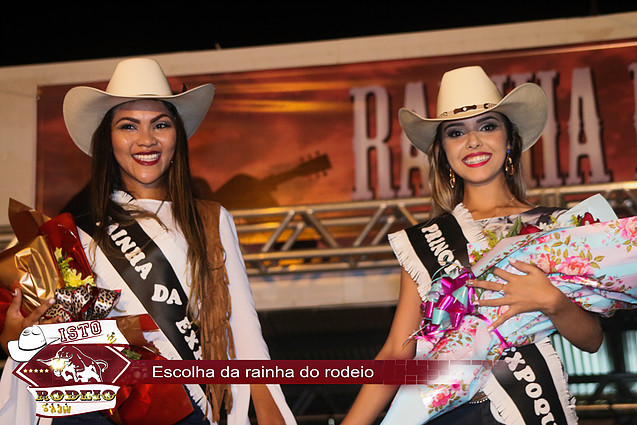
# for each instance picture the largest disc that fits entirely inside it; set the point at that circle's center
(15, 322)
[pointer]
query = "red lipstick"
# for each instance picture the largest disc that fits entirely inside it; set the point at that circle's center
(477, 159)
(147, 158)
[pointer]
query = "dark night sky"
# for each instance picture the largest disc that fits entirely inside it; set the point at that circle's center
(43, 34)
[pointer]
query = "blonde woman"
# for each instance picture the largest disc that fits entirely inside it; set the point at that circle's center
(474, 146)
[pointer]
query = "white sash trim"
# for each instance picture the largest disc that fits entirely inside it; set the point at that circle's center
(501, 402)
(507, 409)
(408, 259)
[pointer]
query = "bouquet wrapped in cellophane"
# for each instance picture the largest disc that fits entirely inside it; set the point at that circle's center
(587, 253)
(48, 261)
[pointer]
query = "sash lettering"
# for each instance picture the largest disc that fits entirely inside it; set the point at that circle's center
(440, 248)
(525, 373)
(150, 276)
(525, 376)
(130, 250)
(437, 249)
(164, 295)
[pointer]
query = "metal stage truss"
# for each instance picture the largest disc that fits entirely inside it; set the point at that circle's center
(353, 235)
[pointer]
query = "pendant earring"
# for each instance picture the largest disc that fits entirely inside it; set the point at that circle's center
(452, 178)
(508, 164)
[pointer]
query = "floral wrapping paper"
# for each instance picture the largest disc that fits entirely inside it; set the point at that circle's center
(595, 265)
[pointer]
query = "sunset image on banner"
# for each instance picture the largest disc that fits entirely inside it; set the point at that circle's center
(330, 133)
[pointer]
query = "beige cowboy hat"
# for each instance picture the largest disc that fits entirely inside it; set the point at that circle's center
(133, 79)
(467, 92)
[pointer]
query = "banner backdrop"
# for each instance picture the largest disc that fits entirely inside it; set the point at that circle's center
(330, 133)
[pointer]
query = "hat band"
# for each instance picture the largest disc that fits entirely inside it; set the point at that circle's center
(464, 109)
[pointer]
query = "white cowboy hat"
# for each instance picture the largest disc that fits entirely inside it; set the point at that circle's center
(133, 79)
(467, 92)
(31, 341)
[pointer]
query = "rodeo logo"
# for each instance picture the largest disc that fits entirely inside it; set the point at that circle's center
(71, 368)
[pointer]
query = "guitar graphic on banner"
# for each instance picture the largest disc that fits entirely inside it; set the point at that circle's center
(244, 191)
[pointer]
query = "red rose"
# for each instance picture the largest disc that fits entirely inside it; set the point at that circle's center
(588, 219)
(528, 228)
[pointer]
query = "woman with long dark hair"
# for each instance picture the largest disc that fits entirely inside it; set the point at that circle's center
(172, 256)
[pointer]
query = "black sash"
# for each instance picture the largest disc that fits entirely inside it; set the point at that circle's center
(439, 243)
(432, 242)
(142, 265)
(524, 374)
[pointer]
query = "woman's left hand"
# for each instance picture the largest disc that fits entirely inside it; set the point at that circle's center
(533, 291)
(530, 291)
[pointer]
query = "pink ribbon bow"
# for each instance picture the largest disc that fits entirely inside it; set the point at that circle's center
(455, 300)
(453, 303)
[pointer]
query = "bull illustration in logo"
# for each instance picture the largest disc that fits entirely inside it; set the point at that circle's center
(71, 364)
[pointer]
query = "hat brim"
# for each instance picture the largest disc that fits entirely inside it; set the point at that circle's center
(526, 106)
(84, 109)
(20, 355)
